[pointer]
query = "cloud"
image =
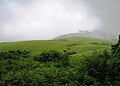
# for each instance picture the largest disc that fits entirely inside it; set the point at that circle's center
(109, 13)
(45, 19)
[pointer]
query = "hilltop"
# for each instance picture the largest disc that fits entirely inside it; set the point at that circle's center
(94, 34)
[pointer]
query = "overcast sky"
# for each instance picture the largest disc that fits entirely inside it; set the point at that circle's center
(109, 13)
(46, 19)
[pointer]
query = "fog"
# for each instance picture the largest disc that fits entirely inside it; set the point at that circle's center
(46, 19)
(109, 13)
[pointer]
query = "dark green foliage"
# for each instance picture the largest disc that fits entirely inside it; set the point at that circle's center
(21, 53)
(60, 59)
(104, 68)
(98, 66)
(69, 51)
(47, 56)
(94, 43)
(116, 48)
(14, 54)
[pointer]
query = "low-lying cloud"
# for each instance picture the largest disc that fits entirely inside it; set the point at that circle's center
(109, 13)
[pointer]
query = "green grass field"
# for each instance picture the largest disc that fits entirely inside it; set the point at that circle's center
(82, 45)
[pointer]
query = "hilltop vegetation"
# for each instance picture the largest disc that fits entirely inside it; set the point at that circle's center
(62, 62)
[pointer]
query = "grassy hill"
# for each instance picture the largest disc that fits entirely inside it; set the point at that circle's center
(56, 68)
(78, 44)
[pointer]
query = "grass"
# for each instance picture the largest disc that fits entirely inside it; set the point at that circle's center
(78, 44)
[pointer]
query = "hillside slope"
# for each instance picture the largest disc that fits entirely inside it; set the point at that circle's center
(78, 44)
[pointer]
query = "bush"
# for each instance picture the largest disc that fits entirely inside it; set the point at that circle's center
(47, 56)
(59, 58)
(104, 68)
(69, 52)
(14, 54)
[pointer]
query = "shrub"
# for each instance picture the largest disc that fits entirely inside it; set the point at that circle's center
(47, 56)
(59, 58)
(21, 53)
(14, 54)
(69, 51)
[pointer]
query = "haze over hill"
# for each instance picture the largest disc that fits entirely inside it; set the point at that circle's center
(94, 34)
(46, 19)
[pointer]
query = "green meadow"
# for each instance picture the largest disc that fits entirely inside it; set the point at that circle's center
(78, 44)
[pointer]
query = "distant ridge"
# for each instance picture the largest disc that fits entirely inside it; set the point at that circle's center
(85, 33)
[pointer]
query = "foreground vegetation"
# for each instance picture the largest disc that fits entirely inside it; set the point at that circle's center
(61, 67)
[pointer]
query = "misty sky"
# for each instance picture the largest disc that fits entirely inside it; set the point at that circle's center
(46, 19)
